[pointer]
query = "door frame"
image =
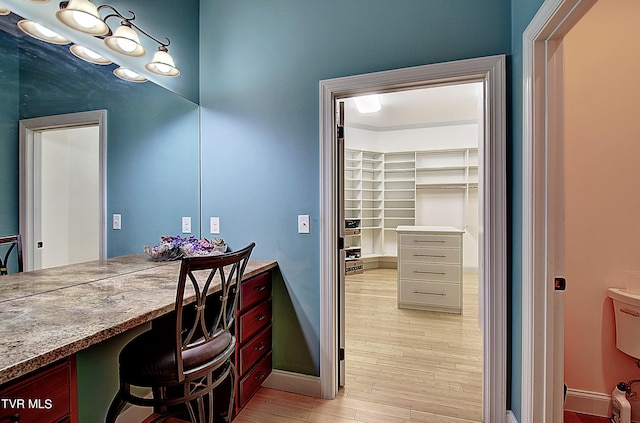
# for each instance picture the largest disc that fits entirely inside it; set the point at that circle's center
(542, 344)
(28, 131)
(493, 248)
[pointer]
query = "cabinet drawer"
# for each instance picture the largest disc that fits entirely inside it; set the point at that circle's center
(254, 320)
(45, 397)
(435, 240)
(430, 293)
(431, 255)
(256, 348)
(254, 290)
(252, 381)
(429, 272)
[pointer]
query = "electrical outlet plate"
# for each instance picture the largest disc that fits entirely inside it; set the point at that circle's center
(215, 225)
(117, 222)
(186, 225)
(303, 224)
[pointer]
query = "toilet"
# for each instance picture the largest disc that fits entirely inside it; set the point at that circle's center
(626, 306)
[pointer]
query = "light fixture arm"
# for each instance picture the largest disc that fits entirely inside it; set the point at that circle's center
(124, 21)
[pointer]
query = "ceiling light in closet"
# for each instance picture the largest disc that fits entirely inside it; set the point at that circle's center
(368, 103)
(41, 32)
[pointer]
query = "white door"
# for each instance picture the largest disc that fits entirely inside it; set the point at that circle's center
(67, 196)
(63, 189)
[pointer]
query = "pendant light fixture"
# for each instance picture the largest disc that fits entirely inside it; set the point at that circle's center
(41, 32)
(125, 41)
(88, 55)
(83, 16)
(162, 63)
(129, 75)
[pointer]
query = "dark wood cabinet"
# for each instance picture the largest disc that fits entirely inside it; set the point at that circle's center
(47, 395)
(253, 334)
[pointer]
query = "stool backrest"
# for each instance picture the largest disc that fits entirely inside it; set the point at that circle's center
(12, 243)
(202, 322)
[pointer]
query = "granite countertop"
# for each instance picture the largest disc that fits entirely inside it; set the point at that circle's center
(46, 315)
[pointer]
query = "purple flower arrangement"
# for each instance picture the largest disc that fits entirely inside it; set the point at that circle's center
(176, 247)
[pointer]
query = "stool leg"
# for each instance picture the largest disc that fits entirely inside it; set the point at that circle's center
(115, 408)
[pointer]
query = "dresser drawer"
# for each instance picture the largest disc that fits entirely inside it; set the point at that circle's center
(254, 290)
(429, 272)
(254, 320)
(430, 293)
(44, 397)
(252, 381)
(431, 255)
(256, 348)
(428, 240)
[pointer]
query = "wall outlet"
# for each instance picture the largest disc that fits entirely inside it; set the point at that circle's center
(303, 224)
(186, 225)
(214, 223)
(117, 221)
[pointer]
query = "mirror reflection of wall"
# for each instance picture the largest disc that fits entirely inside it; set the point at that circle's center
(152, 137)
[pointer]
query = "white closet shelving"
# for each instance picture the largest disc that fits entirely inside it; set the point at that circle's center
(381, 192)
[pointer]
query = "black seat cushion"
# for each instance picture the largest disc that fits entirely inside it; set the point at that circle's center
(150, 357)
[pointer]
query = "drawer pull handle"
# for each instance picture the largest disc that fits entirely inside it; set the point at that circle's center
(630, 312)
(429, 255)
(429, 273)
(260, 376)
(261, 317)
(440, 294)
(259, 288)
(439, 241)
(260, 347)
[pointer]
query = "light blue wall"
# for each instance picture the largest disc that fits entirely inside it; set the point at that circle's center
(261, 63)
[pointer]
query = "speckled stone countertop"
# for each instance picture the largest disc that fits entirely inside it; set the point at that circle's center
(46, 315)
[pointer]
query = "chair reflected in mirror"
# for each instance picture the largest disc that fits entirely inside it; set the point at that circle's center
(10, 254)
(186, 358)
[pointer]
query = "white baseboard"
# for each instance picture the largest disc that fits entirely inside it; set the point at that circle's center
(294, 382)
(511, 418)
(585, 402)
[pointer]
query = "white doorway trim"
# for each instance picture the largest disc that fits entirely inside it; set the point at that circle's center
(29, 129)
(542, 375)
(493, 268)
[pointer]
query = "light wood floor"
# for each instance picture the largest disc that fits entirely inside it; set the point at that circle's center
(402, 365)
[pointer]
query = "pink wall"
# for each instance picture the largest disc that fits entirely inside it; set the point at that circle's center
(602, 187)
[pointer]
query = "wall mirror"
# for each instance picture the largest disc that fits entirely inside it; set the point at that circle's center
(152, 147)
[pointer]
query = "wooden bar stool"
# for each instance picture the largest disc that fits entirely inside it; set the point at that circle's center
(183, 358)
(14, 242)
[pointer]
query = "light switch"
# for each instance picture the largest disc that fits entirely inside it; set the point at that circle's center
(215, 225)
(186, 225)
(117, 221)
(303, 224)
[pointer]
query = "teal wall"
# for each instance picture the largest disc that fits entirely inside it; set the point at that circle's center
(261, 63)
(522, 13)
(9, 93)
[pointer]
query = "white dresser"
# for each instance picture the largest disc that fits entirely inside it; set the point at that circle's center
(430, 268)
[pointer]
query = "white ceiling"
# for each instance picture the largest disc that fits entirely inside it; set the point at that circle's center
(420, 108)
